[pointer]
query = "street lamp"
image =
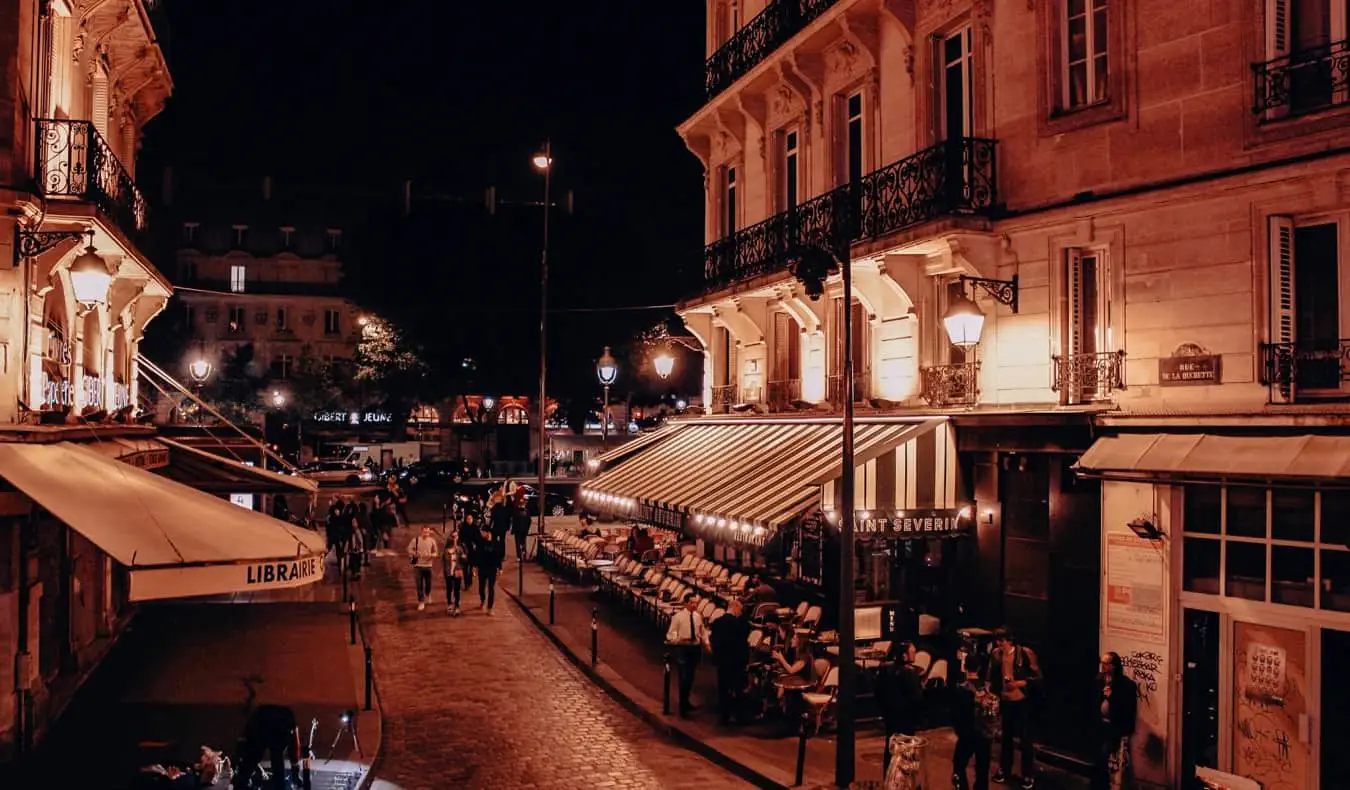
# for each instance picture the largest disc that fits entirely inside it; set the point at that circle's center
(90, 277)
(964, 320)
(607, 370)
(200, 369)
(278, 398)
(543, 162)
(664, 364)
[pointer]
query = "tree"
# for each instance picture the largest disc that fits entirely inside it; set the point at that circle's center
(233, 388)
(389, 369)
(312, 384)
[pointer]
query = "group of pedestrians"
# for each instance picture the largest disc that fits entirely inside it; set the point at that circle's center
(473, 543)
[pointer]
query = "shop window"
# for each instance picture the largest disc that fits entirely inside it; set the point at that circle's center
(1336, 580)
(1335, 511)
(1245, 570)
(1200, 565)
(1246, 511)
(1203, 509)
(1292, 575)
(1292, 513)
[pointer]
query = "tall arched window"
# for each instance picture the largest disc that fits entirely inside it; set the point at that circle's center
(513, 415)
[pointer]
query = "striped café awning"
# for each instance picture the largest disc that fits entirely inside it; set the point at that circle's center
(751, 476)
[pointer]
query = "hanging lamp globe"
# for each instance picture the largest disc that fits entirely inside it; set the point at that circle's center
(90, 278)
(964, 321)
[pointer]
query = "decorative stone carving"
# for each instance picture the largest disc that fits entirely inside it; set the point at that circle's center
(843, 58)
(909, 63)
(77, 47)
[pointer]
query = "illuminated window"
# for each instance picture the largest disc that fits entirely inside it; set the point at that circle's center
(332, 322)
(513, 415)
(236, 321)
(238, 274)
(1084, 55)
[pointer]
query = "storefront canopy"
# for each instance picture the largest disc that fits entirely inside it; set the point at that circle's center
(755, 473)
(176, 541)
(208, 471)
(1153, 455)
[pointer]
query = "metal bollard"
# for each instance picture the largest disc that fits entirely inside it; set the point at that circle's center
(665, 684)
(342, 571)
(520, 577)
(595, 636)
(552, 600)
(801, 749)
(351, 620)
(445, 517)
(370, 678)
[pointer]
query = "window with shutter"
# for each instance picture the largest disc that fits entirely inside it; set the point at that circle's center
(98, 113)
(1305, 52)
(1087, 323)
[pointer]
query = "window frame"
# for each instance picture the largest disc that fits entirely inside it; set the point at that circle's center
(1093, 50)
(1104, 334)
(1222, 537)
(1054, 116)
(728, 202)
(333, 326)
(283, 319)
(847, 118)
(790, 182)
(232, 326)
(238, 278)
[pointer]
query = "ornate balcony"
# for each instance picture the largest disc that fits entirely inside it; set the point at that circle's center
(724, 397)
(769, 30)
(74, 162)
(1303, 82)
(1308, 370)
(954, 177)
(1084, 378)
(957, 384)
(783, 392)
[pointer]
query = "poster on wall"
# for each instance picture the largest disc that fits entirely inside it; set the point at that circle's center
(1136, 589)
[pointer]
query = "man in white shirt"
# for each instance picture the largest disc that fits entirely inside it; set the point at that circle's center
(688, 634)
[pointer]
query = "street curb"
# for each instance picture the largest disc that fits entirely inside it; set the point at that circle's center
(654, 720)
(359, 677)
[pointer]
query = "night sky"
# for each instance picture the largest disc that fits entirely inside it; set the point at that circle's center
(355, 97)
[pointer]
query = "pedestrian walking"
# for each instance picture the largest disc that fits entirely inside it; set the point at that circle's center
(688, 636)
(729, 638)
(422, 552)
(366, 527)
(454, 563)
(489, 554)
(270, 730)
(1118, 702)
(975, 719)
(1015, 674)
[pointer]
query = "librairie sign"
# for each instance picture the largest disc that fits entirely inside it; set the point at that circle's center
(151, 584)
(943, 522)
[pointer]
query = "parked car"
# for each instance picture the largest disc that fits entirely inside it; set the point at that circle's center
(559, 504)
(336, 472)
(435, 474)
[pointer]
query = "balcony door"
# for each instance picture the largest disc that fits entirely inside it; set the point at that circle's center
(956, 88)
(862, 352)
(1309, 320)
(1307, 39)
(785, 375)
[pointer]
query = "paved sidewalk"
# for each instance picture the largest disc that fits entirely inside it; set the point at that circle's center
(630, 652)
(486, 702)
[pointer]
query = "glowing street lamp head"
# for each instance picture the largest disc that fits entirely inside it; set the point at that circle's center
(278, 398)
(542, 161)
(90, 277)
(964, 321)
(199, 369)
(607, 368)
(664, 364)
(363, 320)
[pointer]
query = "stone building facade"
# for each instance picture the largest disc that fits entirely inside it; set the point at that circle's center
(1153, 198)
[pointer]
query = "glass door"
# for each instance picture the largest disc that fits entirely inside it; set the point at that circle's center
(1271, 737)
(1200, 681)
(1335, 710)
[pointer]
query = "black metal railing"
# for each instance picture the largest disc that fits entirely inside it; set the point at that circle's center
(957, 384)
(862, 389)
(954, 177)
(1316, 369)
(1303, 82)
(1082, 378)
(74, 161)
(783, 392)
(724, 396)
(747, 47)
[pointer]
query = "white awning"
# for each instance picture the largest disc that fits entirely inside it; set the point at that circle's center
(234, 475)
(1200, 455)
(176, 541)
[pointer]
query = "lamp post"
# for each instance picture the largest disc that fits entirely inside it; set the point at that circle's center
(199, 369)
(664, 364)
(543, 161)
(607, 370)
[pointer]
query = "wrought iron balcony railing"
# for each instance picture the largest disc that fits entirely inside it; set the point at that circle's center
(783, 392)
(1083, 378)
(862, 389)
(957, 384)
(1313, 369)
(769, 30)
(724, 396)
(75, 162)
(954, 177)
(1303, 82)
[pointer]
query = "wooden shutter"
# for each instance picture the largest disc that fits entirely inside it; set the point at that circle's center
(99, 102)
(1075, 330)
(1281, 333)
(1279, 37)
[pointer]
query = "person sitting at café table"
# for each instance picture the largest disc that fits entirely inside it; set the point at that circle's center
(795, 673)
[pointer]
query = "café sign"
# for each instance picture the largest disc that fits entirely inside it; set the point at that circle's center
(938, 523)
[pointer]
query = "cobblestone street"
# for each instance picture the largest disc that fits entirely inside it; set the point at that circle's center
(487, 702)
